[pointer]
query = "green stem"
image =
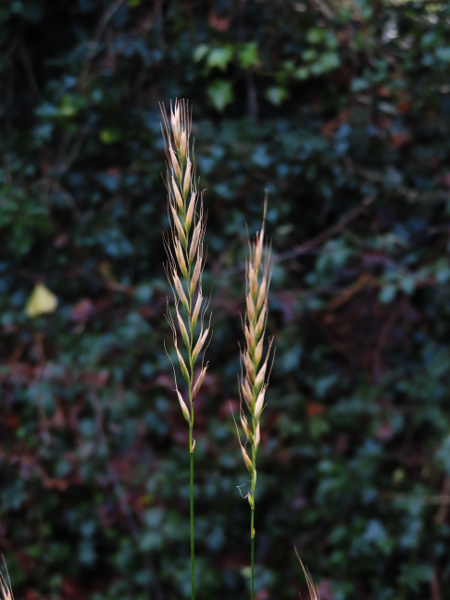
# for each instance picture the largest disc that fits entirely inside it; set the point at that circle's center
(191, 503)
(252, 520)
(252, 544)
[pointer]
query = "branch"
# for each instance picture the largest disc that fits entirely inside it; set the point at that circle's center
(101, 26)
(327, 233)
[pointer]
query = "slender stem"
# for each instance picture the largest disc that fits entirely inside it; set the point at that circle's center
(252, 542)
(191, 441)
(191, 503)
(252, 519)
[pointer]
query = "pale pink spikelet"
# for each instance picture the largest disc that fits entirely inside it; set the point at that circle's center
(184, 246)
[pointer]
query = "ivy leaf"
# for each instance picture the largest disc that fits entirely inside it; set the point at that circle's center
(276, 95)
(220, 58)
(443, 54)
(248, 55)
(220, 93)
(387, 293)
(110, 135)
(200, 52)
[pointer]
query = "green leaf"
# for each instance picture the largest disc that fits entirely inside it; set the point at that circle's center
(442, 268)
(302, 73)
(220, 58)
(387, 293)
(443, 53)
(316, 35)
(359, 85)
(220, 93)
(318, 427)
(200, 52)
(309, 55)
(47, 110)
(276, 95)
(408, 284)
(442, 455)
(329, 61)
(110, 135)
(248, 55)
(70, 105)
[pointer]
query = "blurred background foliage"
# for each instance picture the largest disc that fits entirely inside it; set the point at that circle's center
(341, 108)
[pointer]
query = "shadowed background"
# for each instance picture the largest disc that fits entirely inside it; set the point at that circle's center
(341, 109)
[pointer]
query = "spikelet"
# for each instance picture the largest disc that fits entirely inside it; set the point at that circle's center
(184, 247)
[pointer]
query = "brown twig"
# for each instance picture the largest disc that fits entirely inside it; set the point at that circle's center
(28, 68)
(101, 26)
(437, 499)
(327, 233)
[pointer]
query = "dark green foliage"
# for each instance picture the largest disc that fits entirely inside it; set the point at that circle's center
(340, 109)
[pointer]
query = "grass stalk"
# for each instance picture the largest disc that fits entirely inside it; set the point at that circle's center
(184, 269)
(191, 511)
(255, 365)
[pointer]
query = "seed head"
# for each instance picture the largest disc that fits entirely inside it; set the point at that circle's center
(184, 246)
(255, 362)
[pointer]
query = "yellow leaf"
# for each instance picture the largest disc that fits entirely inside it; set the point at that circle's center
(41, 302)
